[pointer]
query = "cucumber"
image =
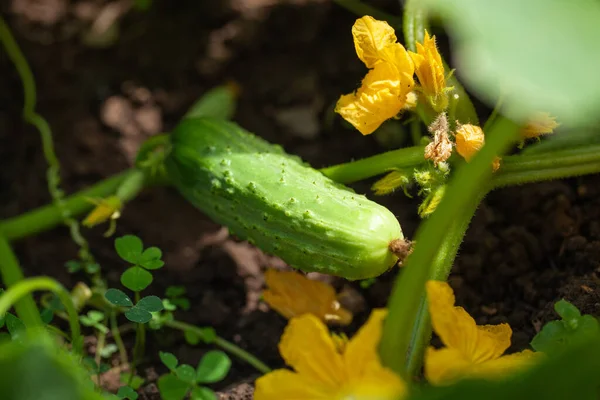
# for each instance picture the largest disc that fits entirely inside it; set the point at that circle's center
(279, 203)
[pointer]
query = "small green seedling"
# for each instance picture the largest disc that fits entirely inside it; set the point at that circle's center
(94, 319)
(176, 298)
(573, 327)
(126, 392)
(74, 266)
(141, 312)
(131, 249)
(185, 380)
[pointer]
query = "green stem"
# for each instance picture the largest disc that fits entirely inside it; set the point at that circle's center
(140, 342)
(27, 286)
(11, 275)
(32, 117)
(368, 167)
(49, 216)
(222, 343)
(116, 333)
(404, 302)
(442, 265)
(414, 25)
(361, 9)
(559, 172)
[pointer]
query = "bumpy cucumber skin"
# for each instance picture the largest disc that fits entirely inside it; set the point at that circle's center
(278, 203)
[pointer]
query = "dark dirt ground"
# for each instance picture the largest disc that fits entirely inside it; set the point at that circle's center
(527, 247)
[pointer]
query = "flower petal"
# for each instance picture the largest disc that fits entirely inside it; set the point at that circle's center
(502, 366)
(444, 366)
(459, 331)
(292, 294)
(370, 38)
(539, 124)
(307, 346)
(378, 99)
(361, 351)
(469, 140)
(377, 383)
(284, 384)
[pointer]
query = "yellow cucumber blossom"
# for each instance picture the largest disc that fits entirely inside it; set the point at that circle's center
(471, 350)
(384, 90)
(469, 139)
(430, 71)
(539, 124)
(330, 367)
(292, 294)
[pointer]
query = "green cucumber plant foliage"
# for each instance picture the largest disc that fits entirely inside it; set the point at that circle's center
(518, 57)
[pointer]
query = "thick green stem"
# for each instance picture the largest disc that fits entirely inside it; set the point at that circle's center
(442, 265)
(404, 303)
(48, 217)
(372, 166)
(222, 343)
(11, 275)
(414, 25)
(27, 286)
(361, 9)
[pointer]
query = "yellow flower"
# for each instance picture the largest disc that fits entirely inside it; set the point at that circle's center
(471, 350)
(384, 90)
(539, 124)
(326, 369)
(108, 208)
(469, 139)
(430, 71)
(292, 294)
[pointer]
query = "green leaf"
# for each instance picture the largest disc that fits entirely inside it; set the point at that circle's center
(136, 279)
(108, 350)
(152, 264)
(566, 310)
(168, 359)
(219, 102)
(150, 303)
(184, 304)
(72, 266)
(125, 392)
(95, 315)
(129, 248)
(138, 315)
(167, 305)
(202, 393)
(136, 381)
(92, 268)
(542, 54)
(186, 373)
(15, 326)
(118, 298)
(213, 367)
(175, 291)
(191, 337)
(171, 388)
(47, 315)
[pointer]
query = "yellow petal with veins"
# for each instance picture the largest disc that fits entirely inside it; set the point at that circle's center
(283, 384)
(459, 331)
(292, 294)
(377, 383)
(319, 362)
(370, 38)
(444, 366)
(507, 364)
(362, 349)
(377, 100)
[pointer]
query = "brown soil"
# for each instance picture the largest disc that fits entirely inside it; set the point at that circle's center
(527, 247)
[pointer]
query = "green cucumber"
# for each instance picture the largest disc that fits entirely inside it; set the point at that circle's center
(279, 203)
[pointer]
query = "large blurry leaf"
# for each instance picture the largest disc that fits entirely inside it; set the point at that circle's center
(37, 370)
(574, 374)
(544, 54)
